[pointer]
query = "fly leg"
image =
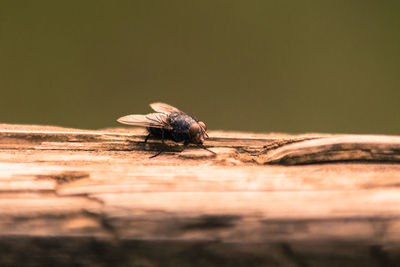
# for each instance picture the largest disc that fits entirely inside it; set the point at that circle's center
(147, 138)
(203, 147)
(155, 155)
(162, 140)
(185, 144)
(199, 145)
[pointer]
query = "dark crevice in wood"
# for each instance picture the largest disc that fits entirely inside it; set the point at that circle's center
(65, 177)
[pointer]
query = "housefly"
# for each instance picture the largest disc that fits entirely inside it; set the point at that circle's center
(170, 123)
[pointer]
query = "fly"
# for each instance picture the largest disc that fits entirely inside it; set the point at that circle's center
(170, 123)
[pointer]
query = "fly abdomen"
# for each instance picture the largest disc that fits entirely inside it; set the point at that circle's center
(160, 133)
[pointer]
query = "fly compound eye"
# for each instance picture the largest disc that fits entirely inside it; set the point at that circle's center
(202, 125)
(194, 130)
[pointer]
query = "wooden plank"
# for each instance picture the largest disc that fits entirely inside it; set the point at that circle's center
(245, 202)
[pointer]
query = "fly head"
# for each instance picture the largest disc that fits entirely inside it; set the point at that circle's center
(198, 132)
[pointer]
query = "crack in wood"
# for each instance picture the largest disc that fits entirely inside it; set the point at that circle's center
(64, 177)
(207, 222)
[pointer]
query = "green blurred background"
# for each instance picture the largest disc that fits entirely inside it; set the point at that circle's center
(288, 66)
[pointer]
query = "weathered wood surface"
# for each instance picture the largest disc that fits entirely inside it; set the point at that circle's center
(95, 198)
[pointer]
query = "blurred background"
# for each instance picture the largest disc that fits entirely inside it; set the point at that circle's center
(272, 66)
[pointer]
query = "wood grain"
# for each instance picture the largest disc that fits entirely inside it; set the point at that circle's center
(265, 199)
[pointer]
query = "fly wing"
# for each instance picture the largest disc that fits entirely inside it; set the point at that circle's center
(156, 120)
(164, 108)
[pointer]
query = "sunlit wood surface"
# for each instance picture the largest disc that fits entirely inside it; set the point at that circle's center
(71, 196)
